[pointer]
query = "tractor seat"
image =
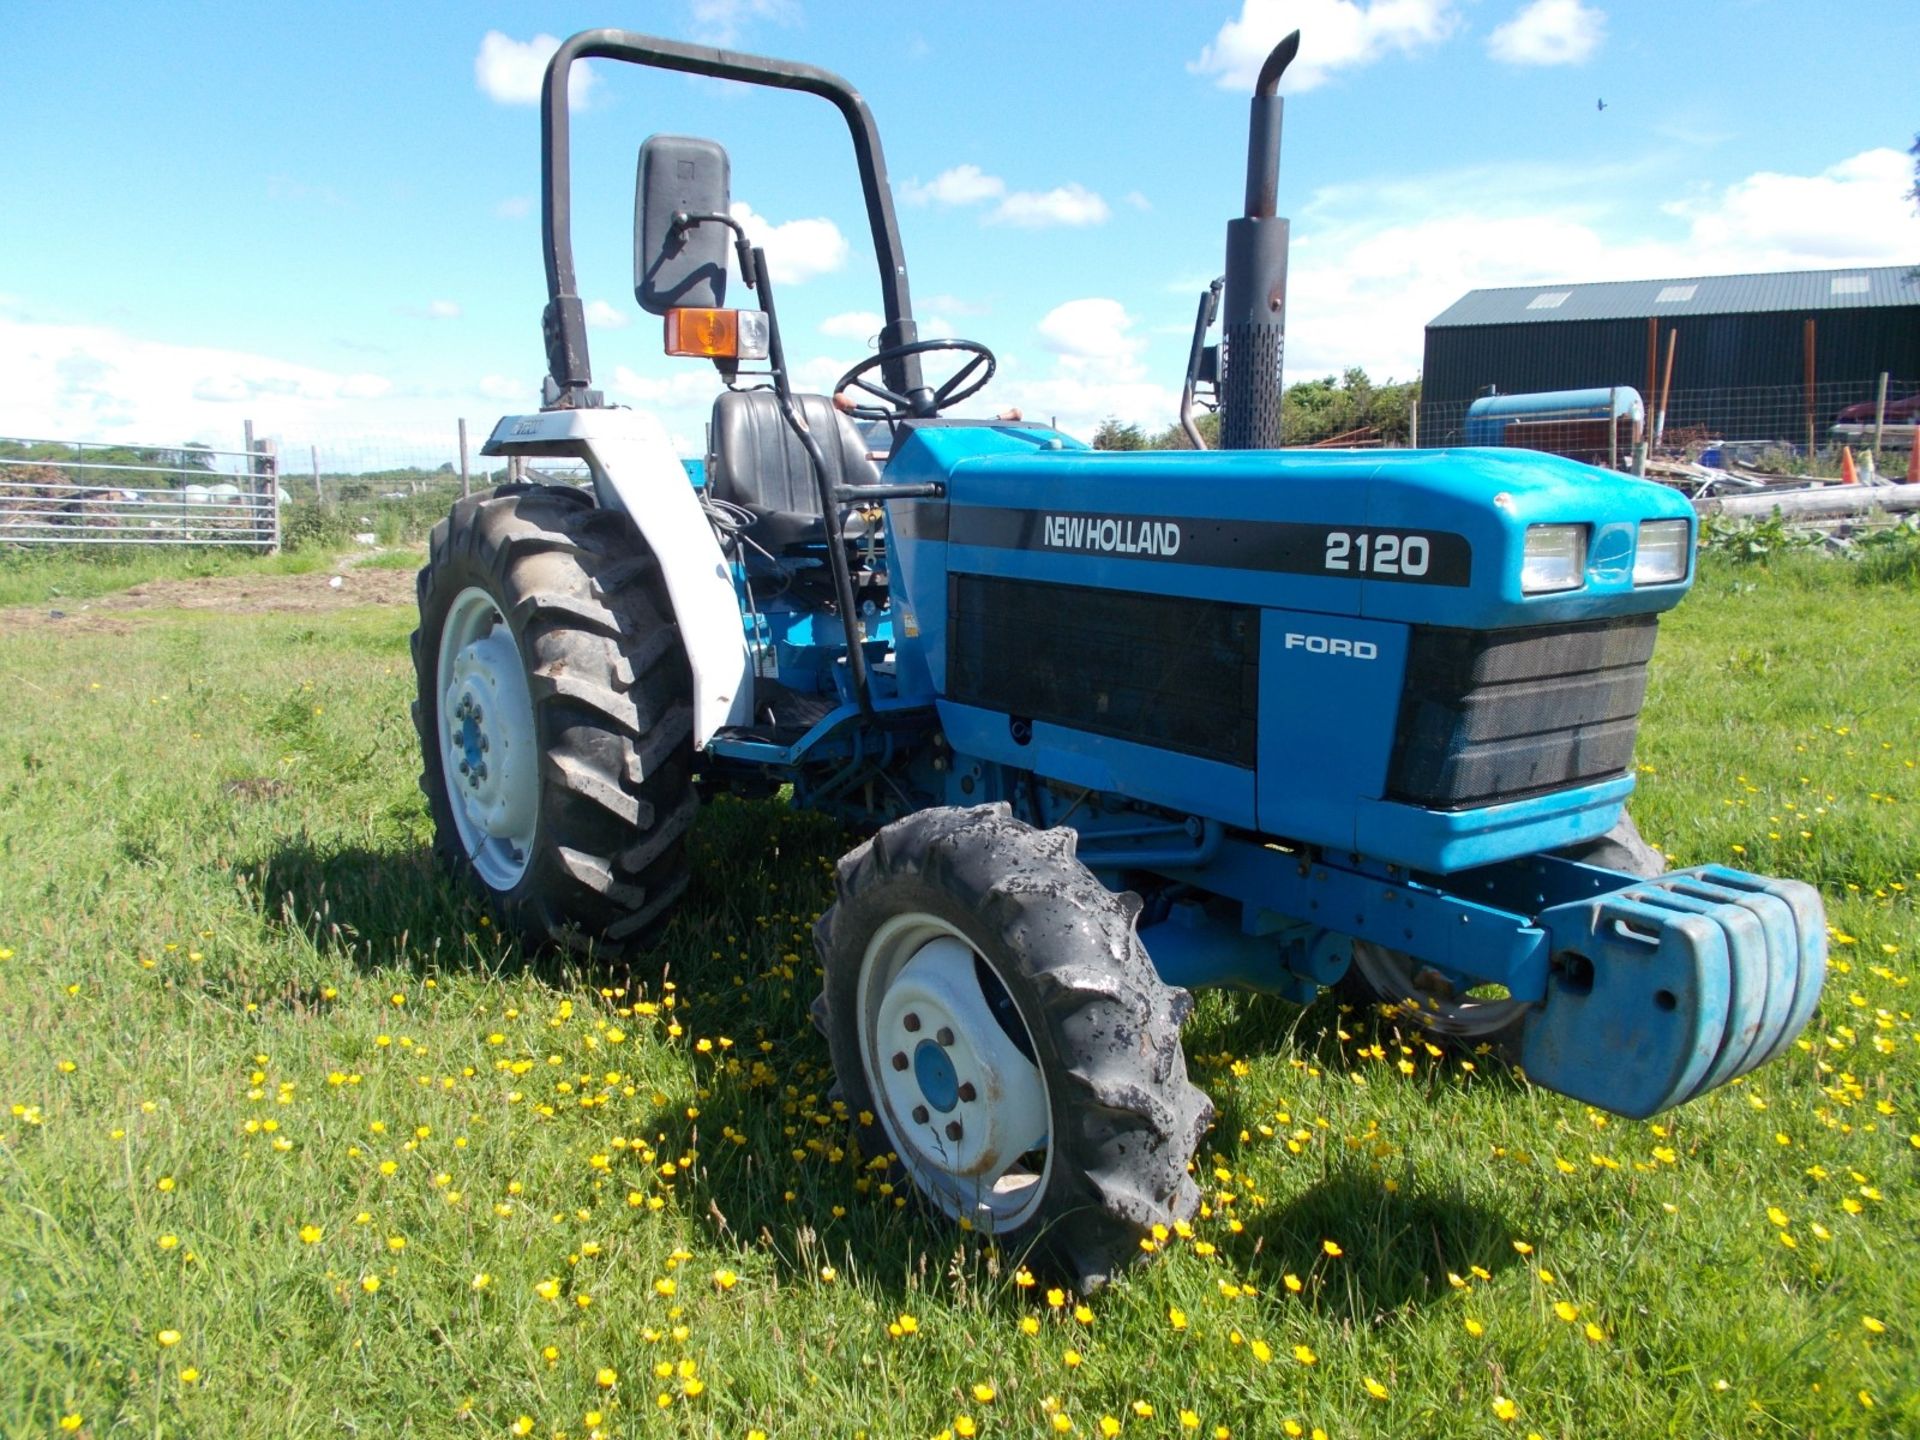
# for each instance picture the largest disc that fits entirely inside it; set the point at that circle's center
(754, 460)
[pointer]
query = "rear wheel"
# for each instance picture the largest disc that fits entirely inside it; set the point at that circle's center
(554, 709)
(988, 1003)
(1480, 1015)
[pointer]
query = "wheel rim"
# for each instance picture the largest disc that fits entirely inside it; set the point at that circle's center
(947, 1056)
(488, 755)
(1398, 978)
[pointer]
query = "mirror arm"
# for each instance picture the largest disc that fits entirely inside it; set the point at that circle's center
(742, 247)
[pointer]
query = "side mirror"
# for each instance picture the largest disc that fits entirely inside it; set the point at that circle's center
(680, 266)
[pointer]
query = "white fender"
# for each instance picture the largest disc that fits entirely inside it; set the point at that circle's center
(635, 469)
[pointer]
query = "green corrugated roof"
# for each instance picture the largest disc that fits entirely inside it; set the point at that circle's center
(1861, 287)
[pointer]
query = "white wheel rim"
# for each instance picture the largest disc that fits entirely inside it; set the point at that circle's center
(488, 756)
(968, 1113)
(1399, 979)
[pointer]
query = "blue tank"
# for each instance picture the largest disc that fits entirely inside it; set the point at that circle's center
(1490, 415)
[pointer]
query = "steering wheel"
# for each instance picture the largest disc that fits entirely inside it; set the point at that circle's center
(925, 401)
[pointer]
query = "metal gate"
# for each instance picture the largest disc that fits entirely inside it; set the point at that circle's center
(78, 492)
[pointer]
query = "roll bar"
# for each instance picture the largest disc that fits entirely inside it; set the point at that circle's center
(564, 323)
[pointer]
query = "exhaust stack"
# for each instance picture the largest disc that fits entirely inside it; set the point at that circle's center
(1254, 326)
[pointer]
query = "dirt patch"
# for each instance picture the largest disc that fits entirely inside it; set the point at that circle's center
(242, 593)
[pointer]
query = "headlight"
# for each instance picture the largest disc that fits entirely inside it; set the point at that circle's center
(1660, 557)
(1555, 558)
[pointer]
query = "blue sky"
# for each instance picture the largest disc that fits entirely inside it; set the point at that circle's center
(325, 217)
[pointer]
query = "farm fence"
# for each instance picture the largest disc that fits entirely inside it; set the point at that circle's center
(80, 492)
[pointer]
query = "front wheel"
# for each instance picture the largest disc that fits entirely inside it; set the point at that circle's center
(988, 1002)
(554, 709)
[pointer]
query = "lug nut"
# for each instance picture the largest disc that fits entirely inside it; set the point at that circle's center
(911, 1021)
(899, 1059)
(967, 1092)
(477, 716)
(944, 1036)
(919, 1114)
(953, 1130)
(464, 767)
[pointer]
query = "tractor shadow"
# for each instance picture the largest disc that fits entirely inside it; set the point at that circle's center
(1398, 1247)
(380, 909)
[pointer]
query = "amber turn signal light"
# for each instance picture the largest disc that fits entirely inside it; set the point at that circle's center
(718, 334)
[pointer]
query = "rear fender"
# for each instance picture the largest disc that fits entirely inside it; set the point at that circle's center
(635, 470)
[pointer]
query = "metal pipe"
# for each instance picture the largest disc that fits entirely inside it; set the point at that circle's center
(1196, 356)
(1253, 329)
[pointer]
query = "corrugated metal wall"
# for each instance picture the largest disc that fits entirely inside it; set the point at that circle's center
(1732, 353)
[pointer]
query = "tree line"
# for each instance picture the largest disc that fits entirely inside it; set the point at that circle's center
(1311, 411)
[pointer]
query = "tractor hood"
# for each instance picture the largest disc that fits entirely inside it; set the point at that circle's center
(1431, 537)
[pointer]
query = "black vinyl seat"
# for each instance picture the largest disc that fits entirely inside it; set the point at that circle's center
(755, 461)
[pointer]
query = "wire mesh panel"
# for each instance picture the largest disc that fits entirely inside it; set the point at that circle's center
(80, 493)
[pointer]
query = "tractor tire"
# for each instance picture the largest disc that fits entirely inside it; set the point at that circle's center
(1382, 977)
(975, 968)
(555, 714)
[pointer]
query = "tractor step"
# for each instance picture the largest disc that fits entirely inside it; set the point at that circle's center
(1664, 989)
(782, 716)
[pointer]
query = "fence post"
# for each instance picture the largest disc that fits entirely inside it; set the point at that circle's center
(1413, 424)
(1808, 342)
(1880, 413)
(1613, 427)
(267, 467)
(313, 451)
(466, 484)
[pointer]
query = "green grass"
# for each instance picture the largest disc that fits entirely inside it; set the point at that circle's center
(56, 573)
(411, 558)
(240, 1001)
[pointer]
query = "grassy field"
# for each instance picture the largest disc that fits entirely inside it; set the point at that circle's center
(294, 1145)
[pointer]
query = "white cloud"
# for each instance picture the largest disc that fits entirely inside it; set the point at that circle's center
(443, 310)
(96, 383)
(797, 250)
(720, 22)
(860, 325)
(603, 316)
(1069, 204)
(1334, 35)
(507, 390)
(514, 207)
(222, 389)
(1092, 330)
(1852, 213)
(954, 304)
(1379, 260)
(690, 387)
(962, 185)
(1549, 32)
(510, 71)
(1137, 200)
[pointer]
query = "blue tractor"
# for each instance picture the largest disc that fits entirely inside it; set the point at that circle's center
(1117, 725)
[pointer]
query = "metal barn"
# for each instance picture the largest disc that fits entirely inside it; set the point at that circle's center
(1753, 356)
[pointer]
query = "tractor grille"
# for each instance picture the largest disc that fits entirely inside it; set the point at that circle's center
(1158, 670)
(1488, 716)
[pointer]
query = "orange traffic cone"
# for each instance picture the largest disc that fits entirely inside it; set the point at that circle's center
(1848, 475)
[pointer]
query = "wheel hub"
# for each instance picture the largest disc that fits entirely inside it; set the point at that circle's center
(488, 750)
(960, 1093)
